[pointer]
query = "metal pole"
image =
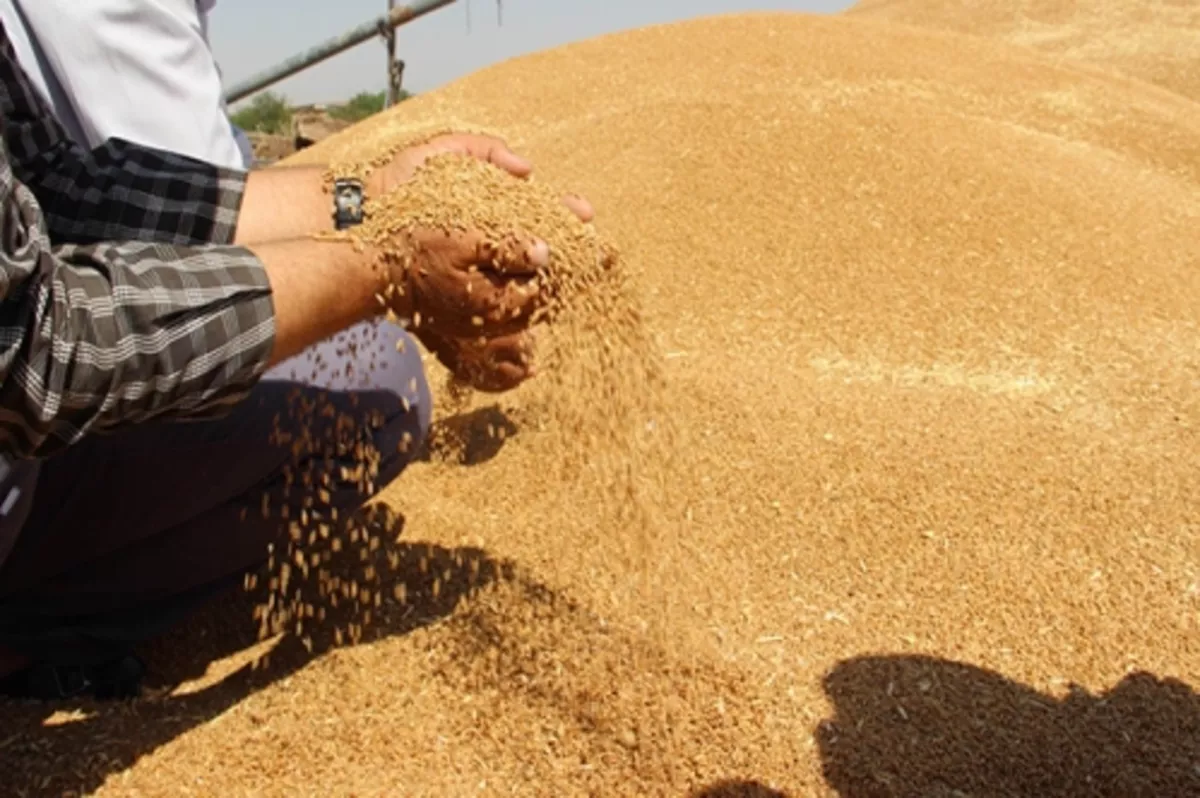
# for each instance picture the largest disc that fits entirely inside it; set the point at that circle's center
(395, 17)
(390, 98)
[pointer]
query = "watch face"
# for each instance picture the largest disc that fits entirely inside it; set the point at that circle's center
(347, 203)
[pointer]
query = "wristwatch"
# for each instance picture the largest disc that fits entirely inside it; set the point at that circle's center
(347, 202)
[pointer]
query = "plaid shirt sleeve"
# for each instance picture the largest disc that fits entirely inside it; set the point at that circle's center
(120, 191)
(121, 298)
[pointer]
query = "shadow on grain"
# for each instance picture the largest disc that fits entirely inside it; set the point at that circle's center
(919, 726)
(470, 438)
(76, 757)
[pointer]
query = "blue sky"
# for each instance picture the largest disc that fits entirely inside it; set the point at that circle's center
(250, 35)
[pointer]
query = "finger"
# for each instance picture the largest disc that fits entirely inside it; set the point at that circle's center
(580, 207)
(509, 161)
(514, 256)
(444, 349)
(468, 285)
(502, 306)
(516, 348)
(506, 367)
(485, 148)
(498, 364)
(479, 304)
(501, 377)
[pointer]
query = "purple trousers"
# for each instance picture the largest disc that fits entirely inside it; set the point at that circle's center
(127, 532)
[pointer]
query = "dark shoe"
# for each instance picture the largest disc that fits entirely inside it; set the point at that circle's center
(120, 678)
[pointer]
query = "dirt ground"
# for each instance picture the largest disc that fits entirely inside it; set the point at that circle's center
(929, 311)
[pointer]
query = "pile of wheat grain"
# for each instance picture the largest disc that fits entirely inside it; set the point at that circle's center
(1157, 41)
(927, 309)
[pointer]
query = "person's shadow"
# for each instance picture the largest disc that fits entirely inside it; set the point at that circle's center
(472, 437)
(918, 726)
(42, 755)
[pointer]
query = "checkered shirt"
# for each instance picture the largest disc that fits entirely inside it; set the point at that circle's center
(122, 298)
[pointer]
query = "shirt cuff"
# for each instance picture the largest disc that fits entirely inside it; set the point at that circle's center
(231, 192)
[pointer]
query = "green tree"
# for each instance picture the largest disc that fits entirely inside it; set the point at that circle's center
(268, 112)
(362, 105)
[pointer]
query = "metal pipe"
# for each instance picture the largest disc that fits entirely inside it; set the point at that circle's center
(390, 21)
(390, 98)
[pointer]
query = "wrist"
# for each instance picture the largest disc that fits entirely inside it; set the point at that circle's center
(373, 184)
(362, 275)
(318, 287)
(393, 294)
(388, 272)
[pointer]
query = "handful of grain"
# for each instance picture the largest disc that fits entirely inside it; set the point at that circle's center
(462, 193)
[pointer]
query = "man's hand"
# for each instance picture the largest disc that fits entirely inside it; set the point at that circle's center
(463, 286)
(492, 366)
(469, 300)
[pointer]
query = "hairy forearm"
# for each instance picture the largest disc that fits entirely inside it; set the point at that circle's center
(319, 288)
(284, 203)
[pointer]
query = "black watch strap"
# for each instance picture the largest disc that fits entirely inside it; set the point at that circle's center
(347, 202)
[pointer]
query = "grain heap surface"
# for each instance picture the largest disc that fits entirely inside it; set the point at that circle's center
(930, 344)
(1157, 41)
